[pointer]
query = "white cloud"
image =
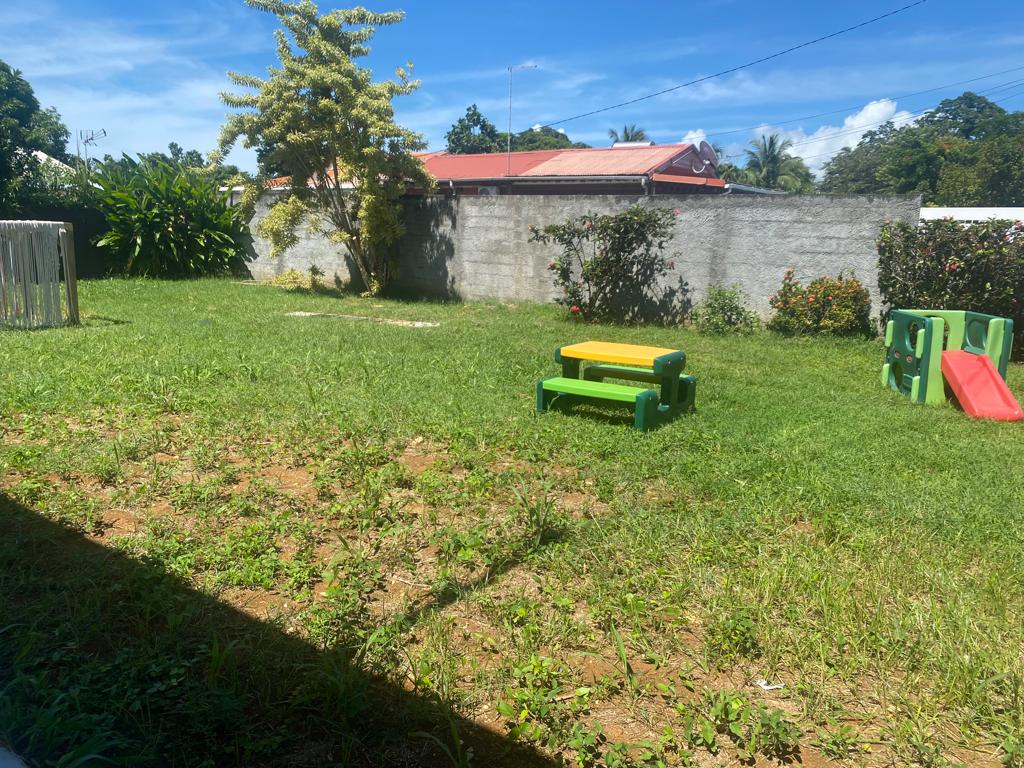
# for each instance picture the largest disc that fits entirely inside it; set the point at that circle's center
(694, 137)
(115, 76)
(818, 146)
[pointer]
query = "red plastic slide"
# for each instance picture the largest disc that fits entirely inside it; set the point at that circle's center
(978, 386)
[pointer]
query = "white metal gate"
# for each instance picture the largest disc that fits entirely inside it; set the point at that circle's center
(35, 258)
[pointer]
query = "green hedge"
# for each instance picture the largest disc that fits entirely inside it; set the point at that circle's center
(945, 264)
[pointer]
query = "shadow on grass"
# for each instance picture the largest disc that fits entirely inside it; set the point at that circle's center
(88, 320)
(105, 658)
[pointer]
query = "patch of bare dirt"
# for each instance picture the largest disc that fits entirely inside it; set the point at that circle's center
(119, 522)
(295, 481)
(419, 455)
(258, 603)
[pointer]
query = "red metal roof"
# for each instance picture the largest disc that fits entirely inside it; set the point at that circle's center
(611, 161)
(676, 163)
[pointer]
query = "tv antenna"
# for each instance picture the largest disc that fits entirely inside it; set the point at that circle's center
(86, 138)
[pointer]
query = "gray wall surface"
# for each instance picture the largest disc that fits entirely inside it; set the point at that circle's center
(477, 247)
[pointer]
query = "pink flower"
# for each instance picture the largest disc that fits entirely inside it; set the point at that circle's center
(676, 212)
(574, 309)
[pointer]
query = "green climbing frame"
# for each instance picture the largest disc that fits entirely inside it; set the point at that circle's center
(916, 338)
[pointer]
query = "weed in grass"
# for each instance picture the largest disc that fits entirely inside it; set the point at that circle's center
(632, 682)
(1013, 751)
(341, 619)
(731, 637)
(839, 741)
(534, 705)
(541, 516)
(372, 507)
(459, 754)
(750, 726)
(914, 741)
(247, 557)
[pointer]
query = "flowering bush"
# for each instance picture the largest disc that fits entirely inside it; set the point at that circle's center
(945, 264)
(834, 305)
(724, 311)
(610, 265)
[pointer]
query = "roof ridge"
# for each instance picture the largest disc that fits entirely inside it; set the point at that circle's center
(647, 147)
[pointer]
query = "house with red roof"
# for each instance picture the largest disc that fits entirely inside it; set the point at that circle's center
(619, 170)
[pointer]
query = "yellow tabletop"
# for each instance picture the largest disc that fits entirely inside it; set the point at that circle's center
(609, 352)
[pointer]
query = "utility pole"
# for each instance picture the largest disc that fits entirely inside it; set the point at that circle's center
(508, 149)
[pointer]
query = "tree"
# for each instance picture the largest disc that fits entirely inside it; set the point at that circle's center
(474, 134)
(322, 119)
(984, 173)
(543, 138)
(629, 133)
(770, 165)
(964, 152)
(968, 116)
(176, 157)
(24, 128)
(732, 172)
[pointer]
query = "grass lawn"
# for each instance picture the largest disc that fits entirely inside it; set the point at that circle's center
(233, 537)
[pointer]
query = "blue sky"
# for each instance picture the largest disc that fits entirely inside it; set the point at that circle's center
(150, 72)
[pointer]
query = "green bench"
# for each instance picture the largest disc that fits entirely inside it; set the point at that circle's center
(645, 401)
(687, 391)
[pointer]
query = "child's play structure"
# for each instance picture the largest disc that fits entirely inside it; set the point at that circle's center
(926, 350)
(674, 392)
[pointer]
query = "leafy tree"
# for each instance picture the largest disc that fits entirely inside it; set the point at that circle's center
(175, 156)
(985, 173)
(770, 165)
(964, 152)
(968, 116)
(856, 169)
(24, 128)
(543, 138)
(732, 172)
(629, 133)
(321, 118)
(474, 134)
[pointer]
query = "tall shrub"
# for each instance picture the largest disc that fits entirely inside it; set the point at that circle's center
(166, 220)
(611, 264)
(840, 306)
(945, 264)
(328, 123)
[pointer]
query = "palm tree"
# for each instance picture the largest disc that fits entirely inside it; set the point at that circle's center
(770, 165)
(629, 133)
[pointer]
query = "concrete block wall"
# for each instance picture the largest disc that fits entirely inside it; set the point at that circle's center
(477, 247)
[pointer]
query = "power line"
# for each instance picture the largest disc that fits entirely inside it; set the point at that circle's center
(861, 106)
(739, 67)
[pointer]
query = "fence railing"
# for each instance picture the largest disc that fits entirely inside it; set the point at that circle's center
(36, 257)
